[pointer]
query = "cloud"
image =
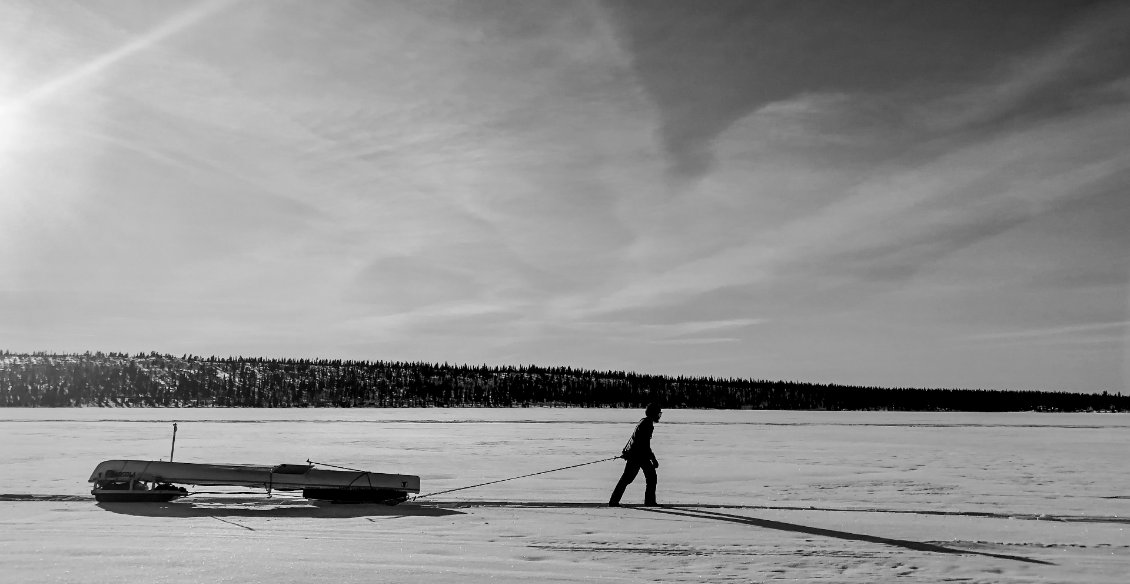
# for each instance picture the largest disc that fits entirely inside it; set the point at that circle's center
(1080, 69)
(657, 185)
(98, 65)
(697, 341)
(706, 67)
(1010, 194)
(905, 218)
(1102, 332)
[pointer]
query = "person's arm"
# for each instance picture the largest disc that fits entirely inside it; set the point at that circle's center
(649, 429)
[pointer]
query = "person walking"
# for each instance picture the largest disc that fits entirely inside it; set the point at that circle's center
(637, 452)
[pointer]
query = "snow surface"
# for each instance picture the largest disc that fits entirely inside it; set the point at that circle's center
(749, 496)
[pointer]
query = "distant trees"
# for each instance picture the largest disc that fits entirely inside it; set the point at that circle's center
(154, 380)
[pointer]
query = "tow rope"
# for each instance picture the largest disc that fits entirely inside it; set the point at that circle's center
(511, 478)
(436, 492)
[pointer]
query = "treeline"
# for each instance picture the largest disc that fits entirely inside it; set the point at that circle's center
(154, 380)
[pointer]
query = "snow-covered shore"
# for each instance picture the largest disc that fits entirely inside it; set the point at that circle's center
(751, 496)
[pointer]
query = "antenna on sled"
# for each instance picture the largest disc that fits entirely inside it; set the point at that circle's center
(174, 447)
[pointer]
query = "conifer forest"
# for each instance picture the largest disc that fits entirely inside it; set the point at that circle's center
(155, 380)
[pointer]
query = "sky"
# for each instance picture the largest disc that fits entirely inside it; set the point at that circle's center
(890, 193)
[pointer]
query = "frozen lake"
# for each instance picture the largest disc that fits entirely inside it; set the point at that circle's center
(750, 495)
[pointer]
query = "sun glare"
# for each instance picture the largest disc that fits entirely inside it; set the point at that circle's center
(11, 197)
(12, 122)
(11, 118)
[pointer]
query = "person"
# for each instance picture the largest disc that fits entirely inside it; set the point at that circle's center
(637, 452)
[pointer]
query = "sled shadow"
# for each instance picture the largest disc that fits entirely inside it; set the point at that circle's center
(217, 508)
(524, 504)
(796, 528)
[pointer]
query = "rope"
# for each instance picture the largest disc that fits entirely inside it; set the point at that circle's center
(308, 461)
(364, 473)
(367, 475)
(512, 478)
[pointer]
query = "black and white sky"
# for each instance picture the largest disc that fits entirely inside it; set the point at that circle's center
(894, 193)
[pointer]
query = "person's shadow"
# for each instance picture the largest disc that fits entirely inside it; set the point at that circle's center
(796, 528)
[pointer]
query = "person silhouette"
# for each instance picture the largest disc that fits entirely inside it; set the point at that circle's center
(637, 452)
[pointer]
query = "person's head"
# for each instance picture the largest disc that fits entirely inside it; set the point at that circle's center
(653, 411)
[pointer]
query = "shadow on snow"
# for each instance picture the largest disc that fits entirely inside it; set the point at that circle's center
(700, 506)
(796, 528)
(216, 508)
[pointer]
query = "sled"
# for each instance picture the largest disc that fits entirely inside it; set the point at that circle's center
(158, 481)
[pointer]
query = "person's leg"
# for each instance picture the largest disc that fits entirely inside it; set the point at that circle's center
(631, 469)
(652, 478)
